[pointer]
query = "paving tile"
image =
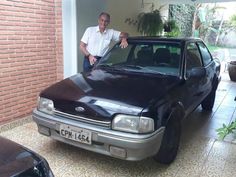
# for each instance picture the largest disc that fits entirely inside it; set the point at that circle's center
(215, 123)
(226, 110)
(229, 169)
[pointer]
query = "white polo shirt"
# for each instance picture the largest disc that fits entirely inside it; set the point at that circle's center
(97, 42)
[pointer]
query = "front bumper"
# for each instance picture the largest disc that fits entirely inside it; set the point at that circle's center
(104, 140)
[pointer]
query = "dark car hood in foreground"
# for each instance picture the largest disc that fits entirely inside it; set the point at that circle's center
(14, 159)
(103, 93)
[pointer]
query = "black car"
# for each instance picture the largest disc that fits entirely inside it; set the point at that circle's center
(18, 161)
(130, 106)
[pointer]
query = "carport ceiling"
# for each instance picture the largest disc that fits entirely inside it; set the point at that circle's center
(190, 1)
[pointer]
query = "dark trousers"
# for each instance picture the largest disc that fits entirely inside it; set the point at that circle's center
(86, 65)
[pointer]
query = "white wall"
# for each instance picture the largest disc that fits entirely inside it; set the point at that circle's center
(122, 10)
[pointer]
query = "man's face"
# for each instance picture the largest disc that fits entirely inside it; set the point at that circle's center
(103, 22)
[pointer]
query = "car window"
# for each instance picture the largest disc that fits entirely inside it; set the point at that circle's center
(206, 56)
(193, 57)
(118, 55)
(143, 54)
(148, 57)
(138, 49)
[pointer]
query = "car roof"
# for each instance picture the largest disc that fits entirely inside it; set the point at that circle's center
(162, 39)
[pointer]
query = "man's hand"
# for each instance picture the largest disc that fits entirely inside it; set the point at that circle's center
(123, 43)
(92, 60)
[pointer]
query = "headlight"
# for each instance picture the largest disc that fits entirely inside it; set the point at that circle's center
(47, 169)
(133, 124)
(45, 105)
(40, 170)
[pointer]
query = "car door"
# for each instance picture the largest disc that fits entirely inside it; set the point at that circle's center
(194, 85)
(209, 66)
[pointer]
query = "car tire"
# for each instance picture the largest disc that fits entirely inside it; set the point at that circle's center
(208, 103)
(170, 141)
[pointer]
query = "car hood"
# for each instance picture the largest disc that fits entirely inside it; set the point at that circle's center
(104, 93)
(15, 159)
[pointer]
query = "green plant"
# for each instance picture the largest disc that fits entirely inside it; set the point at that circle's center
(171, 28)
(206, 23)
(233, 21)
(226, 130)
(150, 23)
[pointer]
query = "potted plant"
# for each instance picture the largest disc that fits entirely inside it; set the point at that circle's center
(226, 130)
(150, 23)
(232, 70)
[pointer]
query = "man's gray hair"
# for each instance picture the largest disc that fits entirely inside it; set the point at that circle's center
(105, 14)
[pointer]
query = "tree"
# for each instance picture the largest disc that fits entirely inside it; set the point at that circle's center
(205, 23)
(233, 21)
(182, 14)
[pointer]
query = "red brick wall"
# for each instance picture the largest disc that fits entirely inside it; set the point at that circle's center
(30, 53)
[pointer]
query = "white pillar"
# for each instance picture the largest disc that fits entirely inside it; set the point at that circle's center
(69, 37)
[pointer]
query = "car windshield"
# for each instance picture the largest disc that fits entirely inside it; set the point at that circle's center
(149, 57)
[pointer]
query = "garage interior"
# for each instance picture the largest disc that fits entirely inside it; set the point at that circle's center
(200, 154)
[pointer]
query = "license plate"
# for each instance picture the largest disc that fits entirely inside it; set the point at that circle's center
(74, 133)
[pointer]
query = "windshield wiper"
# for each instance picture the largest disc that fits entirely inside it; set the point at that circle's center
(132, 67)
(108, 66)
(104, 65)
(121, 67)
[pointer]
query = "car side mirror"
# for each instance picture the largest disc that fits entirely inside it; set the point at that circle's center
(216, 59)
(197, 72)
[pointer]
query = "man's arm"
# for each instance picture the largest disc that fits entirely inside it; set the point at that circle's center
(123, 39)
(83, 49)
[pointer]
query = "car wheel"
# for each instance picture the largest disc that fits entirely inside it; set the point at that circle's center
(208, 102)
(170, 141)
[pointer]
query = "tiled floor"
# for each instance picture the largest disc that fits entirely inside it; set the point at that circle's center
(200, 154)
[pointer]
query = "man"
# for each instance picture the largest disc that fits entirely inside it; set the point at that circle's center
(95, 41)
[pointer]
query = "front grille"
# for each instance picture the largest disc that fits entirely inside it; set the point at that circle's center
(83, 119)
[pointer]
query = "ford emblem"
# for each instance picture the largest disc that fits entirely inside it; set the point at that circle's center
(79, 109)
